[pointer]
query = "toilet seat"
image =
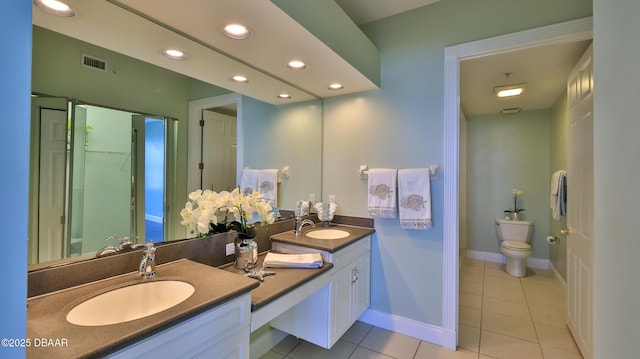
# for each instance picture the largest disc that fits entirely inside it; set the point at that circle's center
(516, 245)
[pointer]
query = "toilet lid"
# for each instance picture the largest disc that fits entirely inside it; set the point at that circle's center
(516, 245)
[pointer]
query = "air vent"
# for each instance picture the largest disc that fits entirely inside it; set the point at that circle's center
(506, 111)
(94, 63)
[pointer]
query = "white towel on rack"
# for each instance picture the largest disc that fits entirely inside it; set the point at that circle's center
(414, 195)
(558, 198)
(381, 200)
(249, 181)
(268, 186)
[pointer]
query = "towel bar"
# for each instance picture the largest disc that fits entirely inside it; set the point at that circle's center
(433, 171)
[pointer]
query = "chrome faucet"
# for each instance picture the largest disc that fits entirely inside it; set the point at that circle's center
(125, 243)
(298, 223)
(148, 263)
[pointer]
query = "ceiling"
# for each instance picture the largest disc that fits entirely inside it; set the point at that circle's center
(143, 28)
(544, 69)
(364, 11)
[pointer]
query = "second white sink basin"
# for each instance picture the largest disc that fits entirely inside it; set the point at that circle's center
(327, 234)
(130, 303)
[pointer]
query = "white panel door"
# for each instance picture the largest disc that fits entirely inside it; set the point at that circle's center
(53, 155)
(580, 204)
(218, 151)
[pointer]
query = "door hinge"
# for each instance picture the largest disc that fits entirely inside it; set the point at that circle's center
(202, 123)
(61, 219)
(201, 165)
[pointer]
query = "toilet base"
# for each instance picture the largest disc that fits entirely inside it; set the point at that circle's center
(517, 267)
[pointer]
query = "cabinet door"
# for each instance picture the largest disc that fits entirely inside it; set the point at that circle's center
(341, 303)
(361, 285)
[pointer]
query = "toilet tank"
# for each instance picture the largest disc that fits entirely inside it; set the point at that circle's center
(508, 230)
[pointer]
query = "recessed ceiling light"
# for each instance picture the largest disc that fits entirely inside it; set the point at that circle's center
(236, 31)
(240, 79)
(284, 96)
(174, 54)
(296, 65)
(509, 90)
(55, 7)
(336, 86)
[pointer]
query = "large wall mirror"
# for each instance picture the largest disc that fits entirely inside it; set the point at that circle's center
(151, 98)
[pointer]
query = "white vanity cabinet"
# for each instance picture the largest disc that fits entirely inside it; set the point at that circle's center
(221, 332)
(326, 315)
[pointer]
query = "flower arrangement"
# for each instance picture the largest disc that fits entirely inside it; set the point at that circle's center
(515, 211)
(208, 212)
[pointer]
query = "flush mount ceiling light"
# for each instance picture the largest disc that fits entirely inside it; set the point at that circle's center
(509, 90)
(336, 86)
(296, 65)
(174, 54)
(55, 7)
(240, 79)
(284, 96)
(236, 31)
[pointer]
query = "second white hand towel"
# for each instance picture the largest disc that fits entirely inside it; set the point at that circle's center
(249, 181)
(382, 192)
(414, 194)
(268, 186)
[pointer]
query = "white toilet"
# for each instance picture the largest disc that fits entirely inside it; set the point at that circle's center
(514, 239)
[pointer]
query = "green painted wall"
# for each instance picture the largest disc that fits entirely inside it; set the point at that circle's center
(506, 152)
(401, 126)
(558, 157)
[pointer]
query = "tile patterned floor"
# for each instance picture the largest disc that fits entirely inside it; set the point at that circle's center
(500, 317)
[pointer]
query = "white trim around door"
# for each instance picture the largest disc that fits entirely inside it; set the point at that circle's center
(570, 31)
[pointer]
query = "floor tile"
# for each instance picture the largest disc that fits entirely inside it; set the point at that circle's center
(389, 343)
(547, 302)
(474, 277)
(505, 307)
(433, 351)
(272, 355)
(510, 294)
(556, 337)
(470, 300)
(511, 282)
(306, 350)
(472, 287)
(551, 317)
(553, 353)
(364, 353)
(357, 332)
(513, 327)
(468, 338)
(286, 345)
(502, 346)
(470, 316)
(474, 262)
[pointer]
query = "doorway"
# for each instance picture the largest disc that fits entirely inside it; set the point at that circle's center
(576, 30)
(107, 172)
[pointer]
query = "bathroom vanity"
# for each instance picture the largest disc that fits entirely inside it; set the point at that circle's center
(326, 315)
(215, 318)
(224, 308)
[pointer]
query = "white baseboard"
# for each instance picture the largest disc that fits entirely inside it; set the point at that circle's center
(410, 327)
(539, 263)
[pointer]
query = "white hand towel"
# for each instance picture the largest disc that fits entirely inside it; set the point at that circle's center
(304, 260)
(249, 181)
(382, 192)
(558, 198)
(414, 194)
(268, 185)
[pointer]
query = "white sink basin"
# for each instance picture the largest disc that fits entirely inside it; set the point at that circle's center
(130, 303)
(327, 234)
